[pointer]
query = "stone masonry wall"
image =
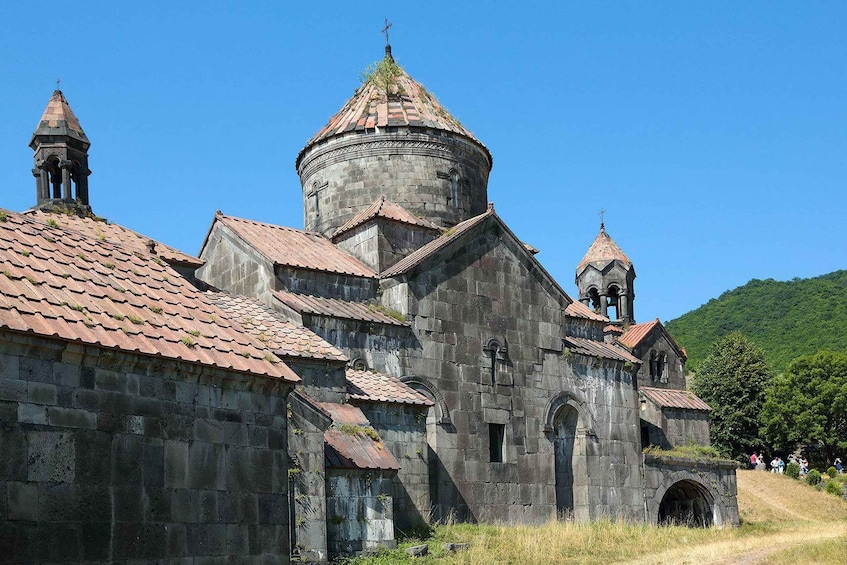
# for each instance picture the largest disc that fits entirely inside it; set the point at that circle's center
(402, 428)
(490, 289)
(674, 427)
(319, 283)
(114, 458)
(359, 511)
(235, 267)
(381, 244)
(344, 175)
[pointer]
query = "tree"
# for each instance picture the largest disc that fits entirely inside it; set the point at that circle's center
(808, 405)
(732, 380)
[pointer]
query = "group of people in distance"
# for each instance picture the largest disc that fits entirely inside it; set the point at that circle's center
(777, 465)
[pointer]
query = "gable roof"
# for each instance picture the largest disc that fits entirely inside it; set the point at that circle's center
(59, 283)
(409, 104)
(372, 386)
(384, 208)
(284, 338)
(635, 334)
(601, 349)
(603, 251)
(294, 248)
(455, 235)
(335, 308)
(115, 233)
(671, 398)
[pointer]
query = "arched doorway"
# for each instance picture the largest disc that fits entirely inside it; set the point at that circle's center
(566, 445)
(686, 503)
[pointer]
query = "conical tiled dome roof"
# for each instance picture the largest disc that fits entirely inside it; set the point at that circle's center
(408, 104)
(603, 251)
(59, 119)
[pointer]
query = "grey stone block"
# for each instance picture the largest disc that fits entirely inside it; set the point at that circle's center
(12, 389)
(71, 418)
(51, 457)
(176, 464)
(32, 414)
(22, 501)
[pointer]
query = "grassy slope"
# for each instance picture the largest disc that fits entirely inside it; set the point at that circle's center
(778, 513)
(786, 319)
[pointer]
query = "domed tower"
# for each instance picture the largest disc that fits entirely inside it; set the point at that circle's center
(61, 159)
(605, 279)
(393, 139)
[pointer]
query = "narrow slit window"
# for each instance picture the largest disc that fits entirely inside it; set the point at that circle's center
(496, 442)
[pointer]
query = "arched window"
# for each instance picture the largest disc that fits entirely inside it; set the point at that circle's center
(612, 310)
(660, 367)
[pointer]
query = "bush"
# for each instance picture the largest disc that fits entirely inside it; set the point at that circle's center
(813, 477)
(833, 487)
(832, 471)
(793, 470)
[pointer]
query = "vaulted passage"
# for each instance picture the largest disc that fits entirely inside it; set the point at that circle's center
(686, 503)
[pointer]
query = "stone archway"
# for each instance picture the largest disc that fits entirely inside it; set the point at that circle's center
(687, 503)
(566, 444)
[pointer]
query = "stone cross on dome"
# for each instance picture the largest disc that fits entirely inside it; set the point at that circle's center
(602, 223)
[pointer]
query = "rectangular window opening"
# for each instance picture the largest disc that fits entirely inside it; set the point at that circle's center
(496, 442)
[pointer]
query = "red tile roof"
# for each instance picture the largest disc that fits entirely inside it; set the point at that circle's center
(59, 283)
(419, 256)
(295, 248)
(635, 333)
(350, 443)
(59, 119)
(335, 308)
(601, 349)
(577, 309)
(284, 338)
(613, 329)
(602, 252)
(670, 398)
(408, 105)
(378, 387)
(384, 208)
(104, 231)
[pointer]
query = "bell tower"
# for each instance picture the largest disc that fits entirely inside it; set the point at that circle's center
(61, 159)
(605, 278)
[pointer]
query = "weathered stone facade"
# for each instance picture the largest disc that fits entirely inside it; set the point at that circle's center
(112, 457)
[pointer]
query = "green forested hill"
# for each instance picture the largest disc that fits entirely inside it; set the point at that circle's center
(786, 319)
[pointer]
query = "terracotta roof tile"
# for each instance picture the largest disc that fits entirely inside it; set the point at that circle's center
(59, 119)
(577, 309)
(384, 208)
(295, 248)
(613, 329)
(670, 398)
(284, 338)
(602, 252)
(599, 349)
(378, 387)
(419, 256)
(335, 308)
(60, 283)
(349, 444)
(410, 104)
(105, 231)
(637, 332)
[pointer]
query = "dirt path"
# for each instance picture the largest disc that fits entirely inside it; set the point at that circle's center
(746, 551)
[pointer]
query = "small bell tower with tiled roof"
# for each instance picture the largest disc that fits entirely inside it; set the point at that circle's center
(605, 278)
(61, 159)
(392, 138)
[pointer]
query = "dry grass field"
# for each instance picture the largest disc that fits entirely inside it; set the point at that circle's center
(784, 521)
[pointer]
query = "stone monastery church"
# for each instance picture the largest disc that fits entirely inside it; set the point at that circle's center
(303, 394)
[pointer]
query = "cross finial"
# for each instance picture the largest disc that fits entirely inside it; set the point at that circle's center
(58, 82)
(602, 215)
(385, 30)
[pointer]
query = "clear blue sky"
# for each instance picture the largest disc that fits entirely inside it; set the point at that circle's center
(714, 134)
